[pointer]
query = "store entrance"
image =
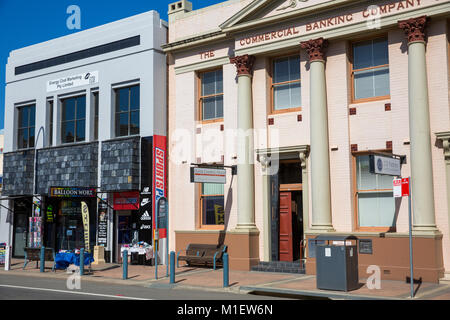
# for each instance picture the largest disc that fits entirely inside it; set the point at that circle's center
(22, 212)
(126, 232)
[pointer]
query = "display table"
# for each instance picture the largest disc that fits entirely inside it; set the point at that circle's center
(145, 253)
(64, 259)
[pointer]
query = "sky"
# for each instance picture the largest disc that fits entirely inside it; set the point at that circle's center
(27, 22)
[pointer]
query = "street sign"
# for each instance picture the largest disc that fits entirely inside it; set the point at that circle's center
(208, 175)
(405, 187)
(397, 183)
(385, 165)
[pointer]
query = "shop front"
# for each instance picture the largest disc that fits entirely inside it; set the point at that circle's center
(21, 218)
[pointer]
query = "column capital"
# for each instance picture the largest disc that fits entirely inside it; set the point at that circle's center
(244, 64)
(414, 28)
(315, 48)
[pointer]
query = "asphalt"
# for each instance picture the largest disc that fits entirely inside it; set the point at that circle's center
(261, 284)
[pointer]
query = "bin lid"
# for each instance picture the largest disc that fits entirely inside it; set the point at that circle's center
(327, 237)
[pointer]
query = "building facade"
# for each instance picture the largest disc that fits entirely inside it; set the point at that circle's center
(84, 114)
(302, 97)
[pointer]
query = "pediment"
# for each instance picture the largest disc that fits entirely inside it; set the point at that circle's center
(272, 10)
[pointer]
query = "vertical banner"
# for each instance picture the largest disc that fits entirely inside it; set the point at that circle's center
(159, 175)
(85, 214)
(102, 225)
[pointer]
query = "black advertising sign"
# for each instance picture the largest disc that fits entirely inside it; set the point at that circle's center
(102, 226)
(145, 216)
(73, 192)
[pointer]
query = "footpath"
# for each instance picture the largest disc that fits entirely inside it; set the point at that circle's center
(245, 282)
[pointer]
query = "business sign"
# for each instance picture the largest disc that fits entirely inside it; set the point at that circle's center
(73, 192)
(385, 165)
(208, 175)
(73, 81)
(159, 174)
(126, 200)
(85, 215)
(102, 225)
(145, 216)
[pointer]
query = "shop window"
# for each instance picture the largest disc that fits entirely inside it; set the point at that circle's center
(375, 199)
(127, 111)
(73, 123)
(50, 126)
(211, 95)
(212, 204)
(25, 135)
(286, 85)
(370, 71)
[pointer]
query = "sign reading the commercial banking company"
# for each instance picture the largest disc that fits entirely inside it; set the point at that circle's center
(76, 192)
(73, 81)
(208, 175)
(385, 165)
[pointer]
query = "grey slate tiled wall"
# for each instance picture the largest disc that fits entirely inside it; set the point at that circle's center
(71, 166)
(120, 164)
(18, 172)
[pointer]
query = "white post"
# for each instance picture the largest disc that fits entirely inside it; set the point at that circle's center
(8, 258)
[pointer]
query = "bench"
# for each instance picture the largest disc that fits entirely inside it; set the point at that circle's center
(202, 254)
(34, 254)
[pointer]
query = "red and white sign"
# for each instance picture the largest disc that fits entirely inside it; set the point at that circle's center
(159, 176)
(401, 187)
(126, 200)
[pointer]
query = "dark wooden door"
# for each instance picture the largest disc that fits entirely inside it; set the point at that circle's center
(286, 239)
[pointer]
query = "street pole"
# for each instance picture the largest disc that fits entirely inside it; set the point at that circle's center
(410, 240)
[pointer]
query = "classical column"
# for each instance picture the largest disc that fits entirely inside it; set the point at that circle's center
(245, 167)
(419, 126)
(320, 157)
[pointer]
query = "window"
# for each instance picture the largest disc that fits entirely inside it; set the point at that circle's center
(95, 97)
(370, 72)
(211, 95)
(50, 127)
(127, 111)
(286, 86)
(73, 123)
(375, 199)
(212, 204)
(25, 136)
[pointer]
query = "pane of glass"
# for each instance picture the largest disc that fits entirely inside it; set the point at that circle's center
(364, 86)
(209, 108)
(81, 108)
(212, 189)
(294, 68)
(296, 95)
(208, 83)
(213, 211)
(362, 55)
(68, 109)
(68, 131)
(96, 102)
(81, 130)
(219, 81)
(365, 180)
(219, 107)
(281, 70)
(23, 117)
(380, 52)
(376, 209)
(121, 124)
(281, 96)
(384, 181)
(381, 82)
(134, 98)
(22, 139)
(122, 99)
(31, 138)
(134, 122)
(32, 116)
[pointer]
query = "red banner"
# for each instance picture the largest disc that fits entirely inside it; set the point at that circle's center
(159, 175)
(126, 200)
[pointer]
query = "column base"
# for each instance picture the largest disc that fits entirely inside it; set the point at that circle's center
(425, 231)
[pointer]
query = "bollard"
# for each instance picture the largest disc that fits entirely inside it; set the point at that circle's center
(42, 259)
(226, 271)
(81, 262)
(8, 258)
(125, 264)
(172, 267)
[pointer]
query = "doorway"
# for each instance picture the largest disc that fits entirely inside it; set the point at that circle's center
(22, 212)
(126, 232)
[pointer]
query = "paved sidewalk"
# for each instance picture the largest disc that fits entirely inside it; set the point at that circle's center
(264, 283)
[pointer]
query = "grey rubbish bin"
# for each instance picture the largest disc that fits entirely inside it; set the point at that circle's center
(336, 262)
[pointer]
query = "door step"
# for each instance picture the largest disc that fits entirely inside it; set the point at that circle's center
(280, 266)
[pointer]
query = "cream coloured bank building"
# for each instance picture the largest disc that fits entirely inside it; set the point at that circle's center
(319, 105)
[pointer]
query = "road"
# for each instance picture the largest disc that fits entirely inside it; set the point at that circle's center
(15, 287)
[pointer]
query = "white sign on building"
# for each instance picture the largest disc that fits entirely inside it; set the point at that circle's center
(73, 81)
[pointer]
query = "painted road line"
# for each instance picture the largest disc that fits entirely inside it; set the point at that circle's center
(73, 292)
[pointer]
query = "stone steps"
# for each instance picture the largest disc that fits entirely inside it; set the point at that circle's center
(280, 266)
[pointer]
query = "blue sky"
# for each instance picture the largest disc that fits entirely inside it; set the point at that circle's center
(25, 22)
